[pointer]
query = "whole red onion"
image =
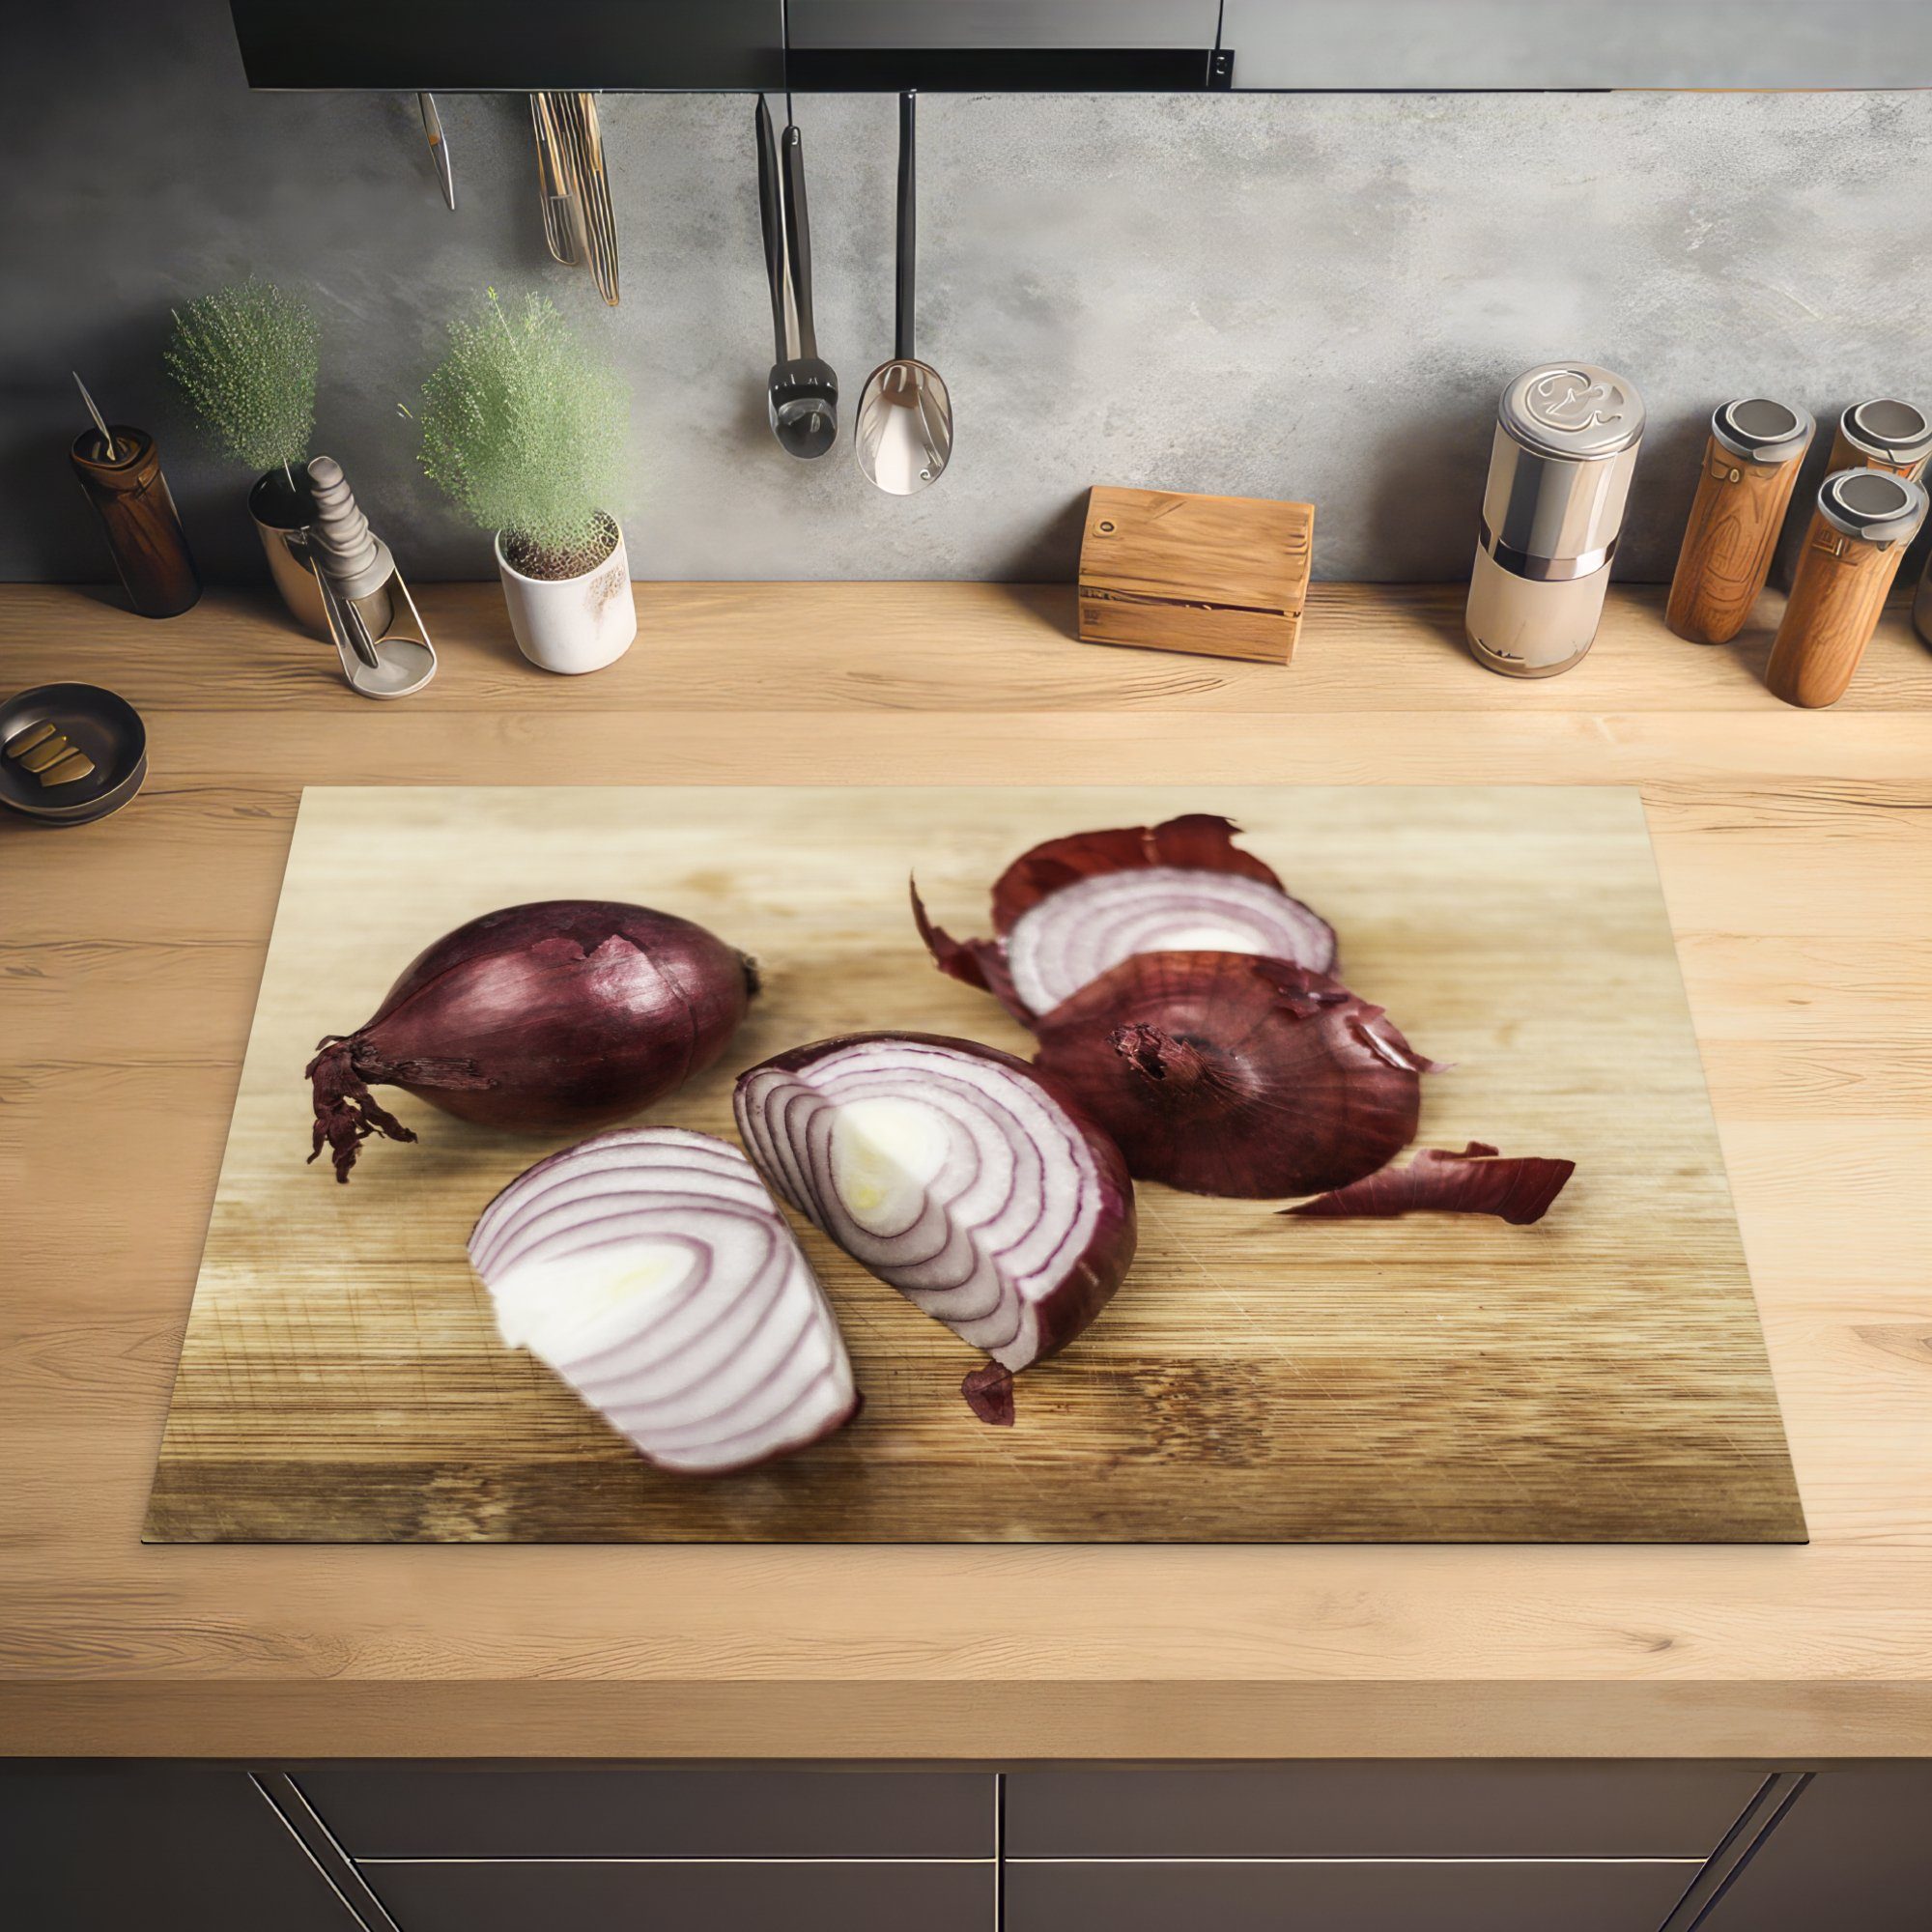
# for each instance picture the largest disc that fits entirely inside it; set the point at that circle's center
(1225, 1073)
(561, 1014)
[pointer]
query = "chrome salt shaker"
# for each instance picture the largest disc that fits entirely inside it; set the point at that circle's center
(1566, 442)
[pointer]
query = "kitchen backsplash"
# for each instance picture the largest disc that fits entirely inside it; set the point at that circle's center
(1296, 296)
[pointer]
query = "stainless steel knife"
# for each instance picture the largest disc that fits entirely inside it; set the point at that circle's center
(439, 148)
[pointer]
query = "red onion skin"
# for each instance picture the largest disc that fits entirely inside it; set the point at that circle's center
(989, 1394)
(560, 1014)
(1228, 1074)
(1478, 1181)
(1196, 841)
(978, 963)
(1090, 1285)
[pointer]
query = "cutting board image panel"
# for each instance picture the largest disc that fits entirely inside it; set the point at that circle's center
(1598, 1377)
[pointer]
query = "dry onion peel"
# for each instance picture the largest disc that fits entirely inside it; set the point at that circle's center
(1479, 1180)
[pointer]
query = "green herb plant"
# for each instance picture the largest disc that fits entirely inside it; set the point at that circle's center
(246, 359)
(523, 429)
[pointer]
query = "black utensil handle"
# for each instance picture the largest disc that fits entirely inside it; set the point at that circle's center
(902, 336)
(770, 200)
(797, 241)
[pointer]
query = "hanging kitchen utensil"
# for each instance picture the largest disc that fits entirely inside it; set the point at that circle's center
(583, 146)
(579, 222)
(803, 392)
(439, 148)
(903, 434)
(562, 218)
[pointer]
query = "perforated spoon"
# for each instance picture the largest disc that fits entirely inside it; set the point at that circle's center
(903, 434)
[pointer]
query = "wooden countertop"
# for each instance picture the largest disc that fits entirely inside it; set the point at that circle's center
(1796, 850)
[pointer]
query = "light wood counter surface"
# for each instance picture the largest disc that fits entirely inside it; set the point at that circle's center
(1796, 850)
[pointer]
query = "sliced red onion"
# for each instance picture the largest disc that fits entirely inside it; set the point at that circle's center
(957, 1174)
(651, 1269)
(1073, 907)
(1478, 1181)
(1067, 941)
(1223, 1073)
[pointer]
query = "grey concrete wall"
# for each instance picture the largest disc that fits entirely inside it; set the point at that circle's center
(1271, 295)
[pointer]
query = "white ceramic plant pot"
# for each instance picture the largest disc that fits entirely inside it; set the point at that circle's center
(572, 624)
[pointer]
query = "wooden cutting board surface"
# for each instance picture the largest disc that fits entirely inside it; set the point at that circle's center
(1599, 1376)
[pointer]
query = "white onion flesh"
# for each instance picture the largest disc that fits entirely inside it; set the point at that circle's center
(1075, 935)
(651, 1269)
(956, 1176)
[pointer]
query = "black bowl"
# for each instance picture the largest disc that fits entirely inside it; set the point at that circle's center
(106, 728)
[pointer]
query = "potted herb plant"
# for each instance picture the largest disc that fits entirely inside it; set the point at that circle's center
(524, 428)
(245, 357)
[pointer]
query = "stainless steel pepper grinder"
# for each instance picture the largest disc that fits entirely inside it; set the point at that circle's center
(1566, 442)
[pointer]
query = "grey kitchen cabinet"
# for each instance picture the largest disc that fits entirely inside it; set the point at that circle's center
(607, 1897)
(1365, 1810)
(1345, 1896)
(740, 1811)
(153, 1848)
(1051, 24)
(1372, 45)
(1853, 1851)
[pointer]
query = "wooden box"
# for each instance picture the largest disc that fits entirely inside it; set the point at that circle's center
(1223, 576)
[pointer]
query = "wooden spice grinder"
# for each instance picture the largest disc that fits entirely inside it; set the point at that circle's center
(1859, 530)
(121, 478)
(1751, 467)
(1882, 434)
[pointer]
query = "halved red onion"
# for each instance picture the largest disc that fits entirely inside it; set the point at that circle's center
(1223, 1073)
(957, 1174)
(653, 1271)
(1478, 1181)
(1072, 907)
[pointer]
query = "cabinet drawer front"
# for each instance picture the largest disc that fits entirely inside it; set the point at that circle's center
(415, 1811)
(99, 1848)
(1524, 1896)
(512, 1897)
(1853, 1851)
(1377, 1810)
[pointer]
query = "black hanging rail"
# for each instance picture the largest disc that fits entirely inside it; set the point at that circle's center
(1021, 46)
